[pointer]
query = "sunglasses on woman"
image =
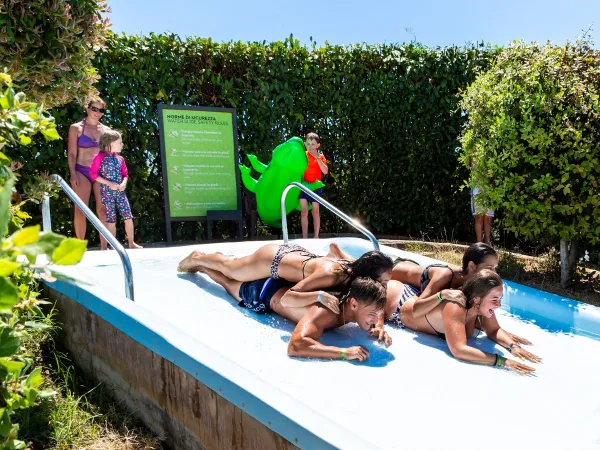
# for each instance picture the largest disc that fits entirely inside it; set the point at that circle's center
(100, 110)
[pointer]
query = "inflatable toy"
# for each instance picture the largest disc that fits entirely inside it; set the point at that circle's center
(288, 164)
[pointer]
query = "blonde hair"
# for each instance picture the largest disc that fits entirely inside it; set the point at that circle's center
(95, 100)
(107, 137)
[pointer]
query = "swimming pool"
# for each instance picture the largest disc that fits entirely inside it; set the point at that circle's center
(444, 402)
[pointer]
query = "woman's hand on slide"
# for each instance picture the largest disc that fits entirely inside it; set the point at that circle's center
(520, 352)
(329, 301)
(454, 295)
(518, 367)
(519, 340)
(359, 352)
(381, 335)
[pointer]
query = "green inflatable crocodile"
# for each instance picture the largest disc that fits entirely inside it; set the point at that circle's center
(288, 164)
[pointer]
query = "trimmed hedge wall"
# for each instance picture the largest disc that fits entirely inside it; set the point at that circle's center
(387, 115)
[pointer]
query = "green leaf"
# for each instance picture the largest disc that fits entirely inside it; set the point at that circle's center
(46, 245)
(24, 140)
(46, 394)
(26, 236)
(10, 96)
(5, 423)
(34, 380)
(69, 252)
(8, 296)
(13, 367)
(4, 160)
(5, 196)
(8, 267)
(36, 325)
(9, 342)
(50, 134)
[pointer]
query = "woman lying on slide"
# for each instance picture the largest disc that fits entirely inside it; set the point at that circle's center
(424, 281)
(310, 273)
(482, 295)
(363, 304)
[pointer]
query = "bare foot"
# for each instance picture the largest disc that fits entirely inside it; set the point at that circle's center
(189, 264)
(334, 251)
(133, 245)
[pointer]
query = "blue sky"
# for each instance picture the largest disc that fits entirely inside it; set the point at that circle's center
(434, 23)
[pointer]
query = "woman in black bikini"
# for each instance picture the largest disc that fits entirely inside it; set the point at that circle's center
(310, 272)
(482, 294)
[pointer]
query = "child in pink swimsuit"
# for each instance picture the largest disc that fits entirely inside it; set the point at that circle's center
(109, 169)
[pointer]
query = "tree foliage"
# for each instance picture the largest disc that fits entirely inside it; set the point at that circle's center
(533, 136)
(47, 46)
(21, 382)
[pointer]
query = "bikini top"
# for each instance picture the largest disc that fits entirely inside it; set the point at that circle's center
(425, 275)
(84, 141)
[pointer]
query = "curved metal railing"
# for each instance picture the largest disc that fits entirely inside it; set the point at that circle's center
(97, 224)
(327, 205)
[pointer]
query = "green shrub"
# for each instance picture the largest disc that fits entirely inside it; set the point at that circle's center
(533, 136)
(387, 115)
(20, 380)
(47, 46)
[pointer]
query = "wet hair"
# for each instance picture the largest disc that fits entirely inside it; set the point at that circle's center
(314, 136)
(480, 284)
(477, 253)
(93, 100)
(367, 291)
(107, 137)
(372, 264)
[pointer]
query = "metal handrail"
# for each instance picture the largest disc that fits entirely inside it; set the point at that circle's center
(327, 205)
(97, 224)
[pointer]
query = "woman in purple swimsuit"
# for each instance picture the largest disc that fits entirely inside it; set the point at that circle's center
(82, 148)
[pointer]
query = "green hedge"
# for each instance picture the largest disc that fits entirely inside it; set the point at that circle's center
(387, 114)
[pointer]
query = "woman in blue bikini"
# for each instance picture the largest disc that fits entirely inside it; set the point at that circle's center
(82, 148)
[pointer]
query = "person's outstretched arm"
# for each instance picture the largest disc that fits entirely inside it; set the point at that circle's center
(305, 339)
(297, 299)
(495, 333)
(456, 337)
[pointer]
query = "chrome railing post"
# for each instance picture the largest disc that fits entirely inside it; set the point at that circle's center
(327, 205)
(98, 225)
(46, 222)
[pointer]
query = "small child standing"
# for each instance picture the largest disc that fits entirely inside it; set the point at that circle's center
(109, 169)
(317, 166)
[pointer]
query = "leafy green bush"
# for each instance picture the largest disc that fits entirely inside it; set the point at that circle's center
(20, 382)
(510, 267)
(533, 136)
(47, 46)
(387, 115)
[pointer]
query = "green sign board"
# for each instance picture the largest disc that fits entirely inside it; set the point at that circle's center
(199, 161)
